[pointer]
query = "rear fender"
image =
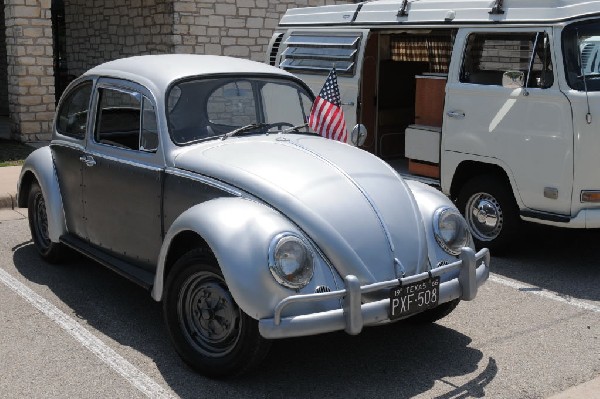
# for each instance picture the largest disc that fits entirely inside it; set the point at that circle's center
(40, 166)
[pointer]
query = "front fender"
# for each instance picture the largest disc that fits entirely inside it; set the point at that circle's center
(239, 231)
(40, 165)
(429, 200)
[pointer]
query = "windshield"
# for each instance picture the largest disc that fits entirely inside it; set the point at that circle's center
(201, 109)
(581, 49)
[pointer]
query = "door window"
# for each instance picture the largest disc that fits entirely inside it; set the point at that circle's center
(489, 55)
(581, 48)
(126, 120)
(73, 112)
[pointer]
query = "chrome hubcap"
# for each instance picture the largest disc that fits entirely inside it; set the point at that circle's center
(208, 314)
(484, 216)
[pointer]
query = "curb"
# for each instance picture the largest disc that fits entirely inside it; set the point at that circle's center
(7, 201)
(589, 390)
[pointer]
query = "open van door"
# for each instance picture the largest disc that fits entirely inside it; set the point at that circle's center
(311, 54)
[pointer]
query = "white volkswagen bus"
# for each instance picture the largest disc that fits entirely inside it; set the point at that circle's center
(497, 102)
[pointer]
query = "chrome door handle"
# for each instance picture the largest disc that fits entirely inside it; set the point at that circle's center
(456, 114)
(88, 160)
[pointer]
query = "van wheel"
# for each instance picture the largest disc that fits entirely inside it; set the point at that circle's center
(490, 211)
(38, 225)
(208, 329)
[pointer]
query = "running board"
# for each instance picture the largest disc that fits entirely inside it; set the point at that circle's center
(550, 217)
(132, 273)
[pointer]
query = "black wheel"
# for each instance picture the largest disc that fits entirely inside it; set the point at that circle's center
(490, 211)
(435, 314)
(208, 329)
(38, 224)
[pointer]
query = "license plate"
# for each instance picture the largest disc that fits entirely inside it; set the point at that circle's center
(414, 298)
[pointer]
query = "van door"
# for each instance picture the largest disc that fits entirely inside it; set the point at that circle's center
(311, 54)
(527, 131)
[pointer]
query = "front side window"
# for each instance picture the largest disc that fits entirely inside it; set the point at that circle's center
(73, 112)
(201, 109)
(126, 119)
(581, 54)
(488, 56)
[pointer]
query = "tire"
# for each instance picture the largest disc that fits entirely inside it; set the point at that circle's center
(491, 212)
(435, 314)
(208, 329)
(52, 252)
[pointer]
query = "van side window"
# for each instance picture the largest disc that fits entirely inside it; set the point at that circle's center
(489, 55)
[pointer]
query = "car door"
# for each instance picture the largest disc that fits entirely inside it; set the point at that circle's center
(68, 147)
(525, 130)
(123, 174)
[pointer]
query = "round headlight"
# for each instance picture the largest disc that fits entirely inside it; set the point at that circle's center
(291, 261)
(451, 230)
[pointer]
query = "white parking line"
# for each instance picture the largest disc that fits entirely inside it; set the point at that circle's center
(115, 361)
(543, 293)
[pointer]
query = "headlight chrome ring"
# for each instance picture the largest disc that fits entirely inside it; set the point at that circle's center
(450, 230)
(291, 260)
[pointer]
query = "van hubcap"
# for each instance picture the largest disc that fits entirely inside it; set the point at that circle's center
(484, 216)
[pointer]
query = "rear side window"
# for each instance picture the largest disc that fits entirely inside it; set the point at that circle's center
(489, 55)
(73, 112)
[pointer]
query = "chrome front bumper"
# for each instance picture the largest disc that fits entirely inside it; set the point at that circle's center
(474, 270)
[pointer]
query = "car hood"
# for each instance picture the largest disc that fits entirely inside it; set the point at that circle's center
(354, 206)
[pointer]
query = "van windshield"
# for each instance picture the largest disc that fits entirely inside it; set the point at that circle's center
(581, 49)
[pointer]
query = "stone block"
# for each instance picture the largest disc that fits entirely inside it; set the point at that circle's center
(225, 9)
(237, 51)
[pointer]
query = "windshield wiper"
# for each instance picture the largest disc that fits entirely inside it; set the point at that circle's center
(243, 129)
(296, 128)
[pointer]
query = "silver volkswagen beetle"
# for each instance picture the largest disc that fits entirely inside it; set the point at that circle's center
(197, 178)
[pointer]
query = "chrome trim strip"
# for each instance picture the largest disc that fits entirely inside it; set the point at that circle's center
(124, 161)
(208, 181)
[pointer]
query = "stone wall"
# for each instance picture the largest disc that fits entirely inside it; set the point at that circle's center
(3, 65)
(239, 28)
(103, 30)
(30, 68)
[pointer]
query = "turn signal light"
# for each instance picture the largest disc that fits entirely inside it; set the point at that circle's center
(590, 196)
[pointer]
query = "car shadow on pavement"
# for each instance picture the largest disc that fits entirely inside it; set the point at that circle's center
(399, 360)
(565, 261)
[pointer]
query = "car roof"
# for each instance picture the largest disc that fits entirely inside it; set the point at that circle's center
(447, 12)
(161, 70)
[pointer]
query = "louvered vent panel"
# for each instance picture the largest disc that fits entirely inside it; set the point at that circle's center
(275, 49)
(318, 54)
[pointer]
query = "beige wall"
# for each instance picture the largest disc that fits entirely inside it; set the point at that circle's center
(30, 68)
(103, 30)
(239, 28)
(3, 65)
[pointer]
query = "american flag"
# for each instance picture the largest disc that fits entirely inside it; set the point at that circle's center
(326, 115)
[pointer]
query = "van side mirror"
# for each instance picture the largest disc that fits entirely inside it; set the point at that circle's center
(358, 135)
(513, 79)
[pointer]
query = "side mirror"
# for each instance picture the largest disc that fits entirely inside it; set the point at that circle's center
(513, 79)
(358, 135)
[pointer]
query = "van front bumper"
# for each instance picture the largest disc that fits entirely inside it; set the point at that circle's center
(473, 269)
